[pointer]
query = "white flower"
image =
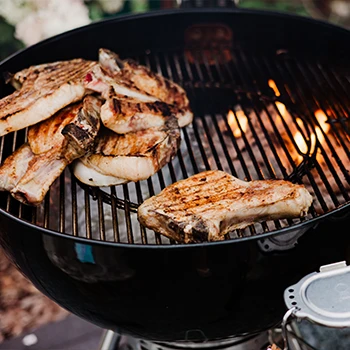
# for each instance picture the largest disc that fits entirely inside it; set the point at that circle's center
(341, 8)
(50, 18)
(14, 11)
(111, 6)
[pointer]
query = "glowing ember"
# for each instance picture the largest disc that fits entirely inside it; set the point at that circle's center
(318, 135)
(322, 119)
(232, 121)
(281, 108)
(274, 87)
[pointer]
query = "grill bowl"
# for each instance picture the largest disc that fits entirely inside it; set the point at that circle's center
(84, 247)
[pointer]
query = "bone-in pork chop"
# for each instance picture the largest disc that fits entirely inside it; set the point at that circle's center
(52, 144)
(208, 205)
(141, 84)
(42, 91)
(129, 157)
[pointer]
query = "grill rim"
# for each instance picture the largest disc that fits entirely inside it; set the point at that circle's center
(301, 225)
(308, 223)
(179, 11)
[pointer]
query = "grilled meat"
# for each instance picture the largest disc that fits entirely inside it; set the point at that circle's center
(14, 167)
(42, 91)
(52, 145)
(72, 131)
(127, 108)
(143, 78)
(210, 204)
(98, 80)
(130, 157)
(42, 171)
(125, 114)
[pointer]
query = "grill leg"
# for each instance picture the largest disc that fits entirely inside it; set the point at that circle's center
(109, 341)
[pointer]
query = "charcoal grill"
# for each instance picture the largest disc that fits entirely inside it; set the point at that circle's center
(270, 98)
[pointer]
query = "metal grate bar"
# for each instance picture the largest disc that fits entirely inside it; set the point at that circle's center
(243, 72)
(252, 156)
(298, 99)
(283, 86)
(324, 78)
(140, 200)
(301, 91)
(344, 83)
(87, 215)
(195, 128)
(101, 218)
(262, 146)
(115, 214)
(320, 170)
(62, 210)
(47, 211)
(127, 214)
(75, 209)
(325, 105)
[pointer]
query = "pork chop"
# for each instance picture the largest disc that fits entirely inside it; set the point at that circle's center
(133, 156)
(208, 205)
(52, 145)
(42, 91)
(14, 167)
(143, 78)
(126, 114)
(140, 78)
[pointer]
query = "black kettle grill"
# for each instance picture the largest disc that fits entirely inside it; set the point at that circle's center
(257, 81)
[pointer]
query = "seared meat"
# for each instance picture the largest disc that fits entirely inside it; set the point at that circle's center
(98, 80)
(43, 90)
(127, 108)
(130, 157)
(52, 145)
(126, 114)
(14, 167)
(72, 131)
(42, 171)
(210, 204)
(141, 78)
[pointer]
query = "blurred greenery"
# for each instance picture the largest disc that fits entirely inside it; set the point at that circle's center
(294, 7)
(8, 43)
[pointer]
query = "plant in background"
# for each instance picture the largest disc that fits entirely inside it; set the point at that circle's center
(26, 22)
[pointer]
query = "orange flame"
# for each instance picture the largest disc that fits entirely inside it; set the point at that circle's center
(281, 108)
(318, 135)
(301, 143)
(322, 120)
(242, 119)
(274, 87)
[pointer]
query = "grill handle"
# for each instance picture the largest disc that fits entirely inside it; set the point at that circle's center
(207, 3)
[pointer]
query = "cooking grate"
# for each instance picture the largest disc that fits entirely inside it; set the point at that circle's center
(256, 117)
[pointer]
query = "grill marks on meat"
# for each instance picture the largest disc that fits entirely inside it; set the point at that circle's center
(131, 80)
(42, 91)
(14, 167)
(133, 156)
(143, 129)
(211, 204)
(98, 80)
(126, 114)
(52, 145)
(143, 78)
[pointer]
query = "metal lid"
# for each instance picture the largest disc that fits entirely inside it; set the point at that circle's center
(323, 297)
